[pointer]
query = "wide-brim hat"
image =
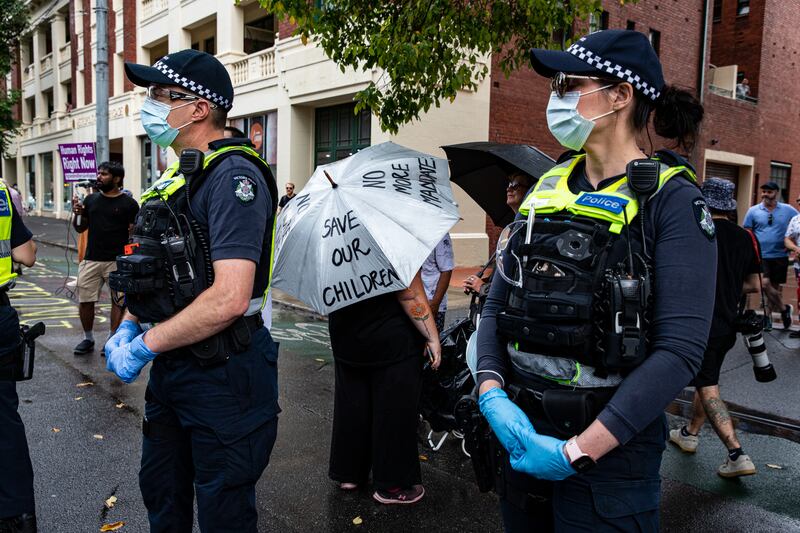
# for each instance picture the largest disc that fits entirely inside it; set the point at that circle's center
(718, 194)
(197, 72)
(624, 54)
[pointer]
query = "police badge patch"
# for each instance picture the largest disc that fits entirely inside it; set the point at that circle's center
(244, 188)
(703, 218)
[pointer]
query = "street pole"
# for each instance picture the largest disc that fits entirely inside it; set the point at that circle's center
(101, 80)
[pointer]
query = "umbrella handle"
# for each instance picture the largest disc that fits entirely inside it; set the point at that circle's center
(333, 183)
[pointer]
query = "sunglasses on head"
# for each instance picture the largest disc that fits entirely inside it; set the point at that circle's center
(560, 83)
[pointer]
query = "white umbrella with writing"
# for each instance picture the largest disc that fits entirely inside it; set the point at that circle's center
(362, 226)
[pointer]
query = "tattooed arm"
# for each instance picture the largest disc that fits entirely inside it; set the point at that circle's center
(415, 304)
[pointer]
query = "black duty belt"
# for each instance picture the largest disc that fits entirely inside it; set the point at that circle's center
(569, 410)
(238, 340)
(4, 301)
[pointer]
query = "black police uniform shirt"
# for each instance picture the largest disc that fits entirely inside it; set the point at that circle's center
(109, 222)
(234, 207)
(684, 257)
(20, 234)
(737, 259)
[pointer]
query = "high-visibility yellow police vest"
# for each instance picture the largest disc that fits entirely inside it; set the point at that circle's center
(6, 269)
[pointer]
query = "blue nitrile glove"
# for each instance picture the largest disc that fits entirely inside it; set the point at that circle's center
(502, 413)
(541, 456)
(127, 360)
(125, 333)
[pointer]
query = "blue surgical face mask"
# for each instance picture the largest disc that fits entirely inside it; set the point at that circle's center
(154, 119)
(566, 124)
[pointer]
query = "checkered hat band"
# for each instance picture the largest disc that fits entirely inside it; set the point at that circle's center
(196, 88)
(615, 70)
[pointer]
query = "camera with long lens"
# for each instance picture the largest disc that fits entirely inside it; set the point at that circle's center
(751, 326)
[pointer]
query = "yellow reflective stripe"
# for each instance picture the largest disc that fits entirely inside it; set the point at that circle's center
(553, 181)
(6, 269)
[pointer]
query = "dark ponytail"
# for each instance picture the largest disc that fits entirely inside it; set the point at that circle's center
(677, 115)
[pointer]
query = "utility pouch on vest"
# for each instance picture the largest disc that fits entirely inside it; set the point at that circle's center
(19, 366)
(569, 411)
(626, 340)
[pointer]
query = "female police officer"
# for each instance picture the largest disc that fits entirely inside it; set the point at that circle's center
(602, 312)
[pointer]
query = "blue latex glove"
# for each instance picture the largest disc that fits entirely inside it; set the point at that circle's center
(128, 359)
(502, 414)
(541, 456)
(125, 333)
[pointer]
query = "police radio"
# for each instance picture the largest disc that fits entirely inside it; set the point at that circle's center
(190, 164)
(643, 177)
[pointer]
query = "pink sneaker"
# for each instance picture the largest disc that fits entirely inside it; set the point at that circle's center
(391, 496)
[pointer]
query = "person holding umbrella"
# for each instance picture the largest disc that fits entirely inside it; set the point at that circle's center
(378, 348)
(602, 310)
(517, 188)
(351, 245)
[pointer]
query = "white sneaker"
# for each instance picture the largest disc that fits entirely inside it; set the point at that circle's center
(686, 443)
(742, 466)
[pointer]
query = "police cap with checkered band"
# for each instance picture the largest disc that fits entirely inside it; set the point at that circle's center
(624, 54)
(197, 72)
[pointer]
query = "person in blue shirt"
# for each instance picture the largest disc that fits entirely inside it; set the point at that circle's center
(769, 220)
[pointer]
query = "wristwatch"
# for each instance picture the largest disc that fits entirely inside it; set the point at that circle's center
(580, 461)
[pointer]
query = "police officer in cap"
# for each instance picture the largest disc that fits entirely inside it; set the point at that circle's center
(17, 512)
(195, 276)
(602, 310)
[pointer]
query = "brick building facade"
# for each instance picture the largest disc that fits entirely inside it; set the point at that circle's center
(748, 141)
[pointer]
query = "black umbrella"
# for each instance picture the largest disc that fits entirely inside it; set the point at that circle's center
(482, 170)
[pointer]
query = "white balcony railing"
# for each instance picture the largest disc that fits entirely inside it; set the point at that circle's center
(27, 73)
(257, 66)
(47, 63)
(152, 7)
(64, 54)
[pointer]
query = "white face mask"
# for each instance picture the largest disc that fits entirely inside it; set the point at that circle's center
(566, 124)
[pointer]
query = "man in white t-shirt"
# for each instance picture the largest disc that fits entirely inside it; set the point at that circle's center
(436, 272)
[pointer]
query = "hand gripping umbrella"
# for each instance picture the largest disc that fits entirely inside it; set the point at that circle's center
(482, 170)
(362, 226)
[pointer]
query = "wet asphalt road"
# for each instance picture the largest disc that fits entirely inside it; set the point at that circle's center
(76, 471)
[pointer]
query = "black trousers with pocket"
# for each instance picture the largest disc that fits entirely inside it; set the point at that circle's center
(375, 424)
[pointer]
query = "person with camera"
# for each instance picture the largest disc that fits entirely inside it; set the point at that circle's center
(738, 269)
(602, 308)
(108, 215)
(17, 509)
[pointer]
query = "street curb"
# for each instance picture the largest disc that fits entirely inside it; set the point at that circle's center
(748, 419)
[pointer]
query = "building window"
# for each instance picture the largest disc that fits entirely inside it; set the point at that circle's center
(339, 133)
(598, 21)
(30, 181)
(259, 35)
(630, 25)
(717, 10)
(781, 173)
(742, 7)
(655, 40)
(210, 46)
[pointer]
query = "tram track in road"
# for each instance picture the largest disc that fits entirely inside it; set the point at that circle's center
(744, 418)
